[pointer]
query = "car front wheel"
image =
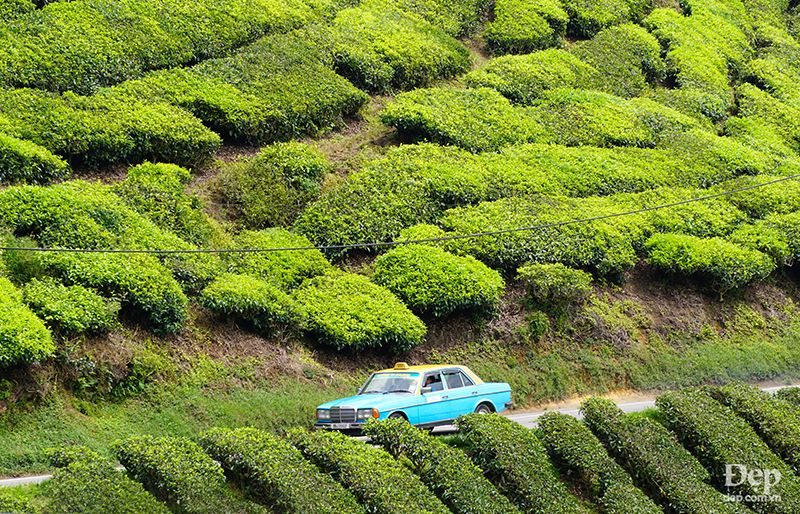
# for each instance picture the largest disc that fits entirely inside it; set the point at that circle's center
(397, 415)
(483, 409)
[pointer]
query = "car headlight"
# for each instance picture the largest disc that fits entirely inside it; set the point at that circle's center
(364, 414)
(323, 414)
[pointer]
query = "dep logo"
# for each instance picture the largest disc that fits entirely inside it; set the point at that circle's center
(760, 482)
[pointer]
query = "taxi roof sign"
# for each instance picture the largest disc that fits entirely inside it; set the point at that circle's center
(402, 365)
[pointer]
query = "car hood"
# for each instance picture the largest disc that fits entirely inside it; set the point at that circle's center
(370, 401)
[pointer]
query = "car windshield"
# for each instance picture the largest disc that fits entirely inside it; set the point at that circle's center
(385, 383)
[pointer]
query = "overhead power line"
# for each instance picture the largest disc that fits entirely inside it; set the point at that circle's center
(441, 239)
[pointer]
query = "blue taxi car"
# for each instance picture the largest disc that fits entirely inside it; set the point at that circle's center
(425, 396)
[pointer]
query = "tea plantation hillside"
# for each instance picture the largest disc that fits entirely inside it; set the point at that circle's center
(669, 459)
(217, 215)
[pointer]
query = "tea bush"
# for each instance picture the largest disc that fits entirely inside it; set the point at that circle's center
(11, 9)
(656, 460)
(23, 161)
(70, 310)
(627, 58)
(574, 448)
(523, 26)
(85, 483)
(515, 460)
(460, 19)
(348, 311)
(783, 118)
(724, 265)
(283, 269)
(759, 202)
(717, 436)
(447, 471)
(774, 420)
(555, 283)
(179, 473)
(790, 395)
(156, 191)
(524, 78)
(379, 482)
(273, 187)
(105, 128)
(588, 17)
(431, 280)
(380, 48)
(276, 473)
(248, 298)
(23, 336)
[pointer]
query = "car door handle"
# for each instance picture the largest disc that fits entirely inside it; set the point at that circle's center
(474, 392)
(445, 397)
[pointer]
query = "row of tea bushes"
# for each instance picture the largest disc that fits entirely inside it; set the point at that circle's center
(521, 26)
(23, 336)
(23, 161)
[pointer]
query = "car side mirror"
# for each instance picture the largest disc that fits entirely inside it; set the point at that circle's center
(426, 390)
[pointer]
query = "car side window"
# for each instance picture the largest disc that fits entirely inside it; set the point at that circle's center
(453, 379)
(434, 381)
(464, 378)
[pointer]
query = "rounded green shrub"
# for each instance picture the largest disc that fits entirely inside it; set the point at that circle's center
(523, 26)
(23, 336)
(249, 298)
(555, 283)
(459, 19)
(587, 17)
(274, 187)
(348, 311)
(70, 309)
(23, 161)
(789, 394)
(431, 280)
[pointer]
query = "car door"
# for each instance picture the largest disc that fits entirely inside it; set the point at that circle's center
(461, 392)
(434, 405)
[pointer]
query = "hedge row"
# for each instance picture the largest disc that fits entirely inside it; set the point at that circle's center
(460, 19)
(775, 420)
(575, 449)
(249, 298)
(481, 119)
(273, 187)
(717, 436)
(779, 116)
(376, 479)
(23, 161)
(720, 263)
(11, 9)
(587, 17)
(516, 461)
(85, 483)
(523, 26)
(23, 336)
(348, 311)
(656, 460)
(554, 284)
(285, 270)
(70, 310)
(105, 128)
(121, 39)
(156, 191)
(179, 473)
(276, 473)
(281, 87)
(789, 394)
(431, 280)
(380, 48)
(447, 471)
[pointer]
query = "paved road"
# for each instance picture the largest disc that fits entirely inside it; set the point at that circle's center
(527, 419)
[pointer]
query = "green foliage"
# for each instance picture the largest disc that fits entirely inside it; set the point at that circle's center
(724, 265)
(377, 480)
(11, 9)
(717, 436)
(588, 17)
(523, 26)
(249, 298)
(285, 270)
(179, 473)
(447, 471)
(656, 460)
(23, 336)
(260, 94)
(275, 186)
(276, 474)
(574, 448)
(431, 280)
(790, 395)
(348, 311)
(775, 420)
(627, 58)
(122, 39)
(105, 128)
(88, 484)
(70, 310)
(515, 460)
(156, 191)
(555, 283)
(381, 48)
(524, 78)
(783, 118)
(23, 161)
(459, 19)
